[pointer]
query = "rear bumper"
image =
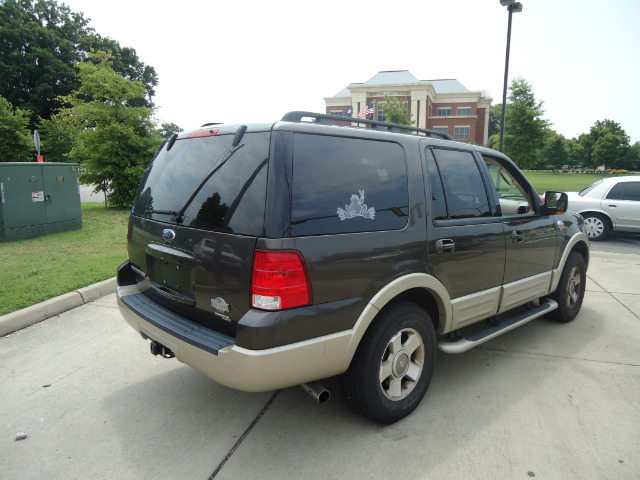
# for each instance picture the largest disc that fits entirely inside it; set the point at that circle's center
(218, 357)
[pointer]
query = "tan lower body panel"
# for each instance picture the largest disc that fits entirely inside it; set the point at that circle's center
(256, 370)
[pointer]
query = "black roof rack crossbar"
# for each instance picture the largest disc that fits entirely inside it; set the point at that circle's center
(325, 119)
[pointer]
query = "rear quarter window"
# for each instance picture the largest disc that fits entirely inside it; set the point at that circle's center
(347, 185)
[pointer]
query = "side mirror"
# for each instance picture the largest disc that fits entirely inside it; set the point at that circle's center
(556, 202)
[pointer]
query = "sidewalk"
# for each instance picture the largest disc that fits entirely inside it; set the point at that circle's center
(546, 400)
(20, 319)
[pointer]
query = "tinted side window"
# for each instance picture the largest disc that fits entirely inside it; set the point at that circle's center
(464, 190)
(632, 192)
(617, 192)
(625, 191)
(344, 185)
(438, 205)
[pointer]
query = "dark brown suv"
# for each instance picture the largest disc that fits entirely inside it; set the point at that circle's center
(280, 254)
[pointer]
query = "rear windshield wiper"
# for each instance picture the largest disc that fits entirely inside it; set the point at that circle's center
(162, 212)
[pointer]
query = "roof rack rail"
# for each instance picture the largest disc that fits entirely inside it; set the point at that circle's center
(324, 119)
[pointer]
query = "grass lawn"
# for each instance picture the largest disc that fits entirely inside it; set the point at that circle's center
(40, 268)
(563, 182)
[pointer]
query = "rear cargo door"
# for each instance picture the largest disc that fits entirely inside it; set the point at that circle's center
(195, 221)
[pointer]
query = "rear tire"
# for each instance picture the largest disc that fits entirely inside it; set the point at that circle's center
(570, 291)
(597, 226)
(393, 366)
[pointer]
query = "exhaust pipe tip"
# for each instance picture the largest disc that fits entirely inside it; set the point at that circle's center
(318, 392)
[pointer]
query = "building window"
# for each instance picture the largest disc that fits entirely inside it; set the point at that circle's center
(444, 112)
(441, 129)
(461, 133)
(337, 113)
(463, 111)
(380, 114)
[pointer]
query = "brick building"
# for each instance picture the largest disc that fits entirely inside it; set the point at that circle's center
(444, 105)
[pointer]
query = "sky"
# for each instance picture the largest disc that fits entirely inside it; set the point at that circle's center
(245, 61)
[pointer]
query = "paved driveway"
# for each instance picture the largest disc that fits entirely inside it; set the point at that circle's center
(546, 400)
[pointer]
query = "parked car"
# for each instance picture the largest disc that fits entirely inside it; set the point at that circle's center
(610, 204)
(280, 254)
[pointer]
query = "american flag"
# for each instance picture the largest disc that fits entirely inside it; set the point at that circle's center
(367, 110)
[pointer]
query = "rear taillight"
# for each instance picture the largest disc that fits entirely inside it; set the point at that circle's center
(128, 237)
(279, 280)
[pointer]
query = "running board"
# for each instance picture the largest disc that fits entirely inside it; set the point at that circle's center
(478, 338)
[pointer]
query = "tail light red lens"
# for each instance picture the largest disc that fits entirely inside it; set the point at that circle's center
(279, 280)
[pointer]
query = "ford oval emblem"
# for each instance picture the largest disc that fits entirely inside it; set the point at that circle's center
(168, 235)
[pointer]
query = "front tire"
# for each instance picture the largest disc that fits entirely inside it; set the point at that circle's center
(571, 288)
(597, 226)
(390, 373)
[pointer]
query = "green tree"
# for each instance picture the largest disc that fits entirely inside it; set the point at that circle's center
(396, 111)
(494, 141)
(16, 142)
(495, 119)
(631, 159)
(56, 139)
(525, 129)
(605, 144)
(40, 44)
(116, 138)
(556, 154)
(125, 61)
(577, 156)
(38, 49)
(167, 130)
(608, 150)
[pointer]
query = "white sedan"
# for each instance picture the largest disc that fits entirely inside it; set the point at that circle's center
(612, 203)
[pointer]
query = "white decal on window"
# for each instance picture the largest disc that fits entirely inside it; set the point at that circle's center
(357, 208)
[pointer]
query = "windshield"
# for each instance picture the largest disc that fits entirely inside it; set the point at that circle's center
(582, 193)
(231, 200)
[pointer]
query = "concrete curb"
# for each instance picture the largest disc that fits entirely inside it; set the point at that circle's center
(20, 319)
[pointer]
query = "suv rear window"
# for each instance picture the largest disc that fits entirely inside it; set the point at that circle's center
(345, 185)
(232, 200)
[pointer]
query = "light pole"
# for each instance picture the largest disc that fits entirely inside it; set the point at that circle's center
(513, 7)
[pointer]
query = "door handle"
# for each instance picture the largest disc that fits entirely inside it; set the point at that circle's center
(445, 245)
(517, 236)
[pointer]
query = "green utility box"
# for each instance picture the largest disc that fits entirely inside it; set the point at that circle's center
(38, 199)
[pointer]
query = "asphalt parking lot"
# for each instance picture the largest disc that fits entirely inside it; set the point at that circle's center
(546, 401)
